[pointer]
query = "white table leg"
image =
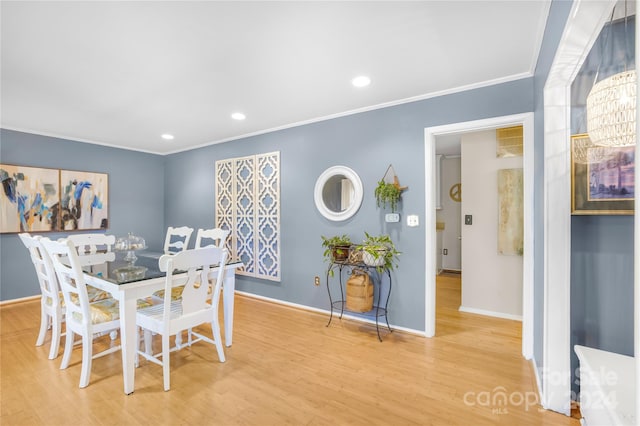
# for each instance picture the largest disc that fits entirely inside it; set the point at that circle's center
(129, 342)
(229, 289)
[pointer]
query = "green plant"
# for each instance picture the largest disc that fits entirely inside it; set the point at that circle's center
(387, 193)
(336, 246)
(380, 246)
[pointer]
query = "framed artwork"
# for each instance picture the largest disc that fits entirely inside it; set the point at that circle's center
(511, 212)
(602, 178)
(84, 201)
(30, 198)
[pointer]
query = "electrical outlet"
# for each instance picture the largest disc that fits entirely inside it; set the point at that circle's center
(413, 220)
(317, 281)
(445, 252)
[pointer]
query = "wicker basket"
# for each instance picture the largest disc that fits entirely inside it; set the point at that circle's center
(355, 256)
(359, 292)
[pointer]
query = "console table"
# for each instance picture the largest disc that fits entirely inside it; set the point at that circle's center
(376, 277)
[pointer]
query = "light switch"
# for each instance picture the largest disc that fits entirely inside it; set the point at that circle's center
(392, 217)
(412, 220)
(468, 219)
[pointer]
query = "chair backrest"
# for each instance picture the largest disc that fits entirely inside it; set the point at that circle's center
(92, 243)
(215, 237)
(197, 263)
(177, 239)
(44, 269)
(93, 249)
(66, 263)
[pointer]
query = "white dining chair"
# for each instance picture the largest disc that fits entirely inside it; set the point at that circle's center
(92, 243)
(216, 237)
(172, 317)
(51, 301)
(93, 249)
(177, 239)
(82, 317)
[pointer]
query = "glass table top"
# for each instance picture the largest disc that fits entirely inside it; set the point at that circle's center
(119, 271)
(114, 268)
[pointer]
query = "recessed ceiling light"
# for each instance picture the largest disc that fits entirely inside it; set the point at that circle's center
(361, 81)
(238, 116)
(167, 137)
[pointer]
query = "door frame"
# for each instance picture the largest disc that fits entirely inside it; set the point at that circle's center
(527, 120)
(582, 28)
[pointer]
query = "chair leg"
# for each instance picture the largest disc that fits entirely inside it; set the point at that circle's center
(55, 338)
(44, 325)
(165, 361)
(87, 354)
(138, 342)
(215, 328)
(68, 348)
(148, 342)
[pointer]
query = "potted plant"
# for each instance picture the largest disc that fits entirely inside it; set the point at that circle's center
(387, 193)
(336, 248)
(378, 251)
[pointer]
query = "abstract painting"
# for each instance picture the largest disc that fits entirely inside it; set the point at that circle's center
(84, 200)
(30, 199)
(510, 212)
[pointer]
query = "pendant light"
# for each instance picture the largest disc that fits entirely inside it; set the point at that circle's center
(611, 106)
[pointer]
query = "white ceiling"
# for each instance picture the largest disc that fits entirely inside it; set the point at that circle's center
(123, 73)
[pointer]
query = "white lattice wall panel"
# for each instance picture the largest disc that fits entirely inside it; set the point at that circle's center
(268, 215)
(248, 203)
(225, 201)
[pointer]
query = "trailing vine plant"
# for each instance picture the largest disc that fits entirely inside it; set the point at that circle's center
(387, 193)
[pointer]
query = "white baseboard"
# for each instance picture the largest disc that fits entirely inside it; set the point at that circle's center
(20, 300)
(536, 373)
(490, 313)
(326, 312)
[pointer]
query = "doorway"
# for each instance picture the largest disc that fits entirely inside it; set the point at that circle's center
(430, 217)
(448, 210)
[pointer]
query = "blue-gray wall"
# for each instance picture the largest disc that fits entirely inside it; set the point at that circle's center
(136, 196)
(367, 142)
(601, 246)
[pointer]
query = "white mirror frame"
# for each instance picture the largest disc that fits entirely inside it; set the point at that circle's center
(358, 193)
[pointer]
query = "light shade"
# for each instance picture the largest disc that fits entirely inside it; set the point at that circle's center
(611, 110)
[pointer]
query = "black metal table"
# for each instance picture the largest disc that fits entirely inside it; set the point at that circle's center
(340, 305)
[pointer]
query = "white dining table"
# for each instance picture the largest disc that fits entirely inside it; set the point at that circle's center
(127, 295)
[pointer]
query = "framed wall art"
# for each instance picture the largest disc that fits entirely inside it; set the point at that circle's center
(30, 199)
(511, 212)
(602, 178)
(84, 201)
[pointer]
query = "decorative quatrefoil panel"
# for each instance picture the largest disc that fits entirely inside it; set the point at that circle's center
(248, 204)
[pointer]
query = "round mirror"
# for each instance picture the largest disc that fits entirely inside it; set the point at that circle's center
(338, 193)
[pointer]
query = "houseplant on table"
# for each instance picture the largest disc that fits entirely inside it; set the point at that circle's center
(379, 251)
(336, 248)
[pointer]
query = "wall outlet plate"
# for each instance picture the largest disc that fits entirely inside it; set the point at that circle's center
(392, 217)
(413, 220)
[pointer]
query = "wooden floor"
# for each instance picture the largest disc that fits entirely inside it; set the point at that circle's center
(286, 367)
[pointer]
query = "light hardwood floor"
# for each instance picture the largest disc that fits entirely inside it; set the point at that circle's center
(286, 367)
